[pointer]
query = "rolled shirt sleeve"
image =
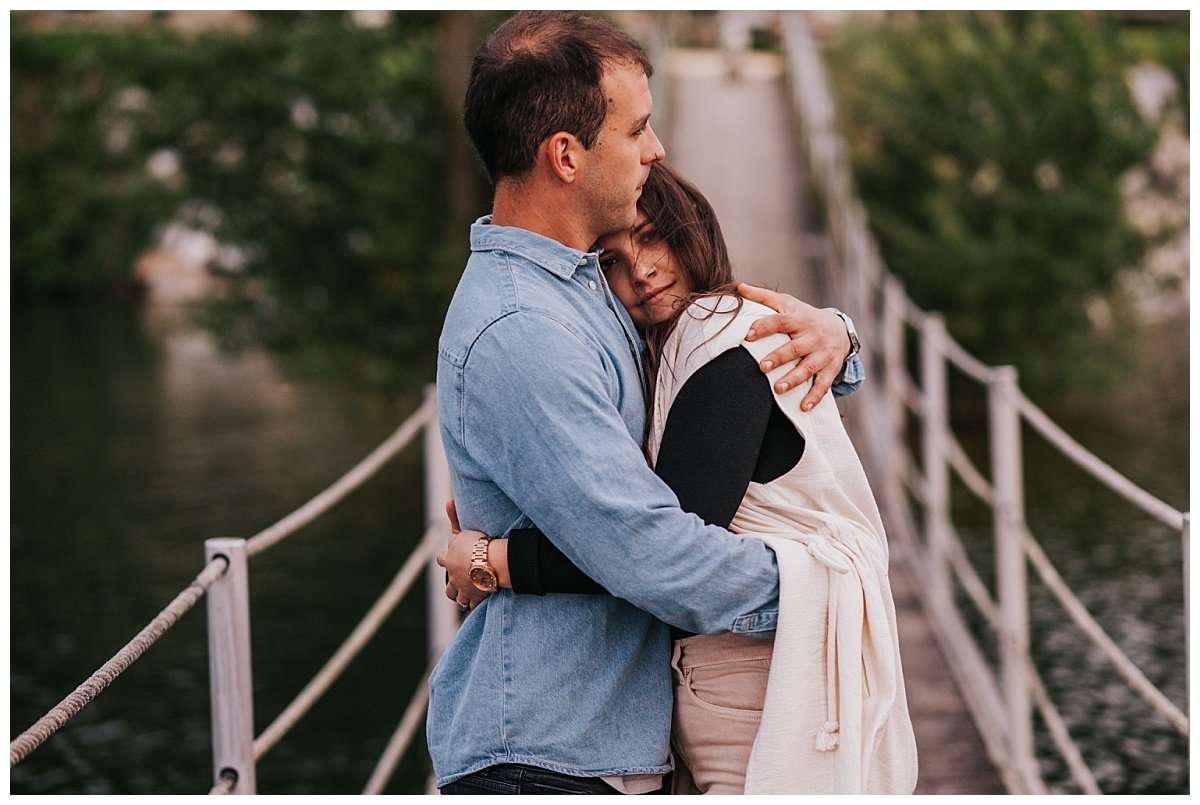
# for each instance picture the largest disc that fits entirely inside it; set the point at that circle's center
(851, 378)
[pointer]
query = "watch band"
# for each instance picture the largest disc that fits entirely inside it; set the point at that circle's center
(850, 331)
(482, 574)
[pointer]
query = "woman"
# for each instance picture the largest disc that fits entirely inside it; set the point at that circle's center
(740, 455)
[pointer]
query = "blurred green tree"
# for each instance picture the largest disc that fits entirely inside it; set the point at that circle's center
(987, 149)
(311, 149)
(82, 203)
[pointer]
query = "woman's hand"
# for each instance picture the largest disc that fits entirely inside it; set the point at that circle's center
(818, 340)
(457, 561)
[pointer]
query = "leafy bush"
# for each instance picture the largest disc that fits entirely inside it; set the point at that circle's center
(987, 148)
(310, 148)
(80, 211)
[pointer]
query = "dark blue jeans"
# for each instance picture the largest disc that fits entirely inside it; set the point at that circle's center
(512, 778)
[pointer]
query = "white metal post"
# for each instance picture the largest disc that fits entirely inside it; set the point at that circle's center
(229, 666)
(443, 613)
(934, 432)
(1009, 518)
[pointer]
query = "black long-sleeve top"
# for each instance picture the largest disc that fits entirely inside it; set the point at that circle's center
(723, 431)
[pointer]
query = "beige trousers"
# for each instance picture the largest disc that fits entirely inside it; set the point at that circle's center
(720, 684)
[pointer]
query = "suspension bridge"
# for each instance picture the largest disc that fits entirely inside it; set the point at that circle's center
(973, 712)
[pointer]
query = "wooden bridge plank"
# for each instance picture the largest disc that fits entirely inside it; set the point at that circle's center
(951, 756)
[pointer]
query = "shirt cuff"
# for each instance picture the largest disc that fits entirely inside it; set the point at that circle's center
(851, 378)
(757, 624)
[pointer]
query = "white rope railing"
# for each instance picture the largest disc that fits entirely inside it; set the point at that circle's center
(401, 738)
(972, 582)
(1097, 468)
(64, 711)
(912, 315)
(1094, 466)
(976, 590)
(1061, 736)
(69, 707)
(965, 361)
(910, 394)
(1084, 620)
(237, 749)
(357, 475)
(353, 644)
(911, 475)
(862, 273)
(971, 477)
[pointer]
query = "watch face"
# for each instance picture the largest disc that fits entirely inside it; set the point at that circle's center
(483, 578)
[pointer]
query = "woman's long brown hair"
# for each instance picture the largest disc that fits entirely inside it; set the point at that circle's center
(682, 217)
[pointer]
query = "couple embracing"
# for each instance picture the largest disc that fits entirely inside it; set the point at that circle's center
(675, 570)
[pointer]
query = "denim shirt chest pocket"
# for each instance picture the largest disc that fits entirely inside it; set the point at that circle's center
(596, 318)
(611, 319)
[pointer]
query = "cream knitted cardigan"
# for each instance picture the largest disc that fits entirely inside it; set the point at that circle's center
(835, 718)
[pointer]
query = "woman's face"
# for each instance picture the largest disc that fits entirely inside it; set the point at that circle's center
(643, 273)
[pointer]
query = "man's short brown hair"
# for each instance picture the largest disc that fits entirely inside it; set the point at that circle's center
(537, 74)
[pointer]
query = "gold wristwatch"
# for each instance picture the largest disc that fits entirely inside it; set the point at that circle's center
(482, 574)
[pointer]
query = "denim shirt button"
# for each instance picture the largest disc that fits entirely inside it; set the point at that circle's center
(592, 284)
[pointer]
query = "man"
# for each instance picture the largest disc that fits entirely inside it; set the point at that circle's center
(542, 408)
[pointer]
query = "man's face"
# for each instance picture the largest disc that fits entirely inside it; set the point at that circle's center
(619, 161)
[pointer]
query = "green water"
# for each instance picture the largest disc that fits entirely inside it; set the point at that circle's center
(133, 441)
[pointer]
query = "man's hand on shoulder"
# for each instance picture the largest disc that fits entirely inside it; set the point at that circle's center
(818, 340)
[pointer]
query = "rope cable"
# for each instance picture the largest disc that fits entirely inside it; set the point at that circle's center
(354, 478)
(353, 644)
(1097, 468)
(971, 477)
(1060, 734)
(911, 394)
(401, 738)
(69, 707)
(65, 710)
(831, 173)
(1084, 620)
(971, 581)
(964, 361)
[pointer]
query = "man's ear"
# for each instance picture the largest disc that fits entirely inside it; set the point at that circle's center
(564, 155)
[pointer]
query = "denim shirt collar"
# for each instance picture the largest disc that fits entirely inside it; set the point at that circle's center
(561, 261)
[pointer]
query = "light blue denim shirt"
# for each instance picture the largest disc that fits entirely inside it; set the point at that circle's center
(542, 408)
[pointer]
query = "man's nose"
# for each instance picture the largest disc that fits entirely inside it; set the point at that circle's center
(656, 151)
